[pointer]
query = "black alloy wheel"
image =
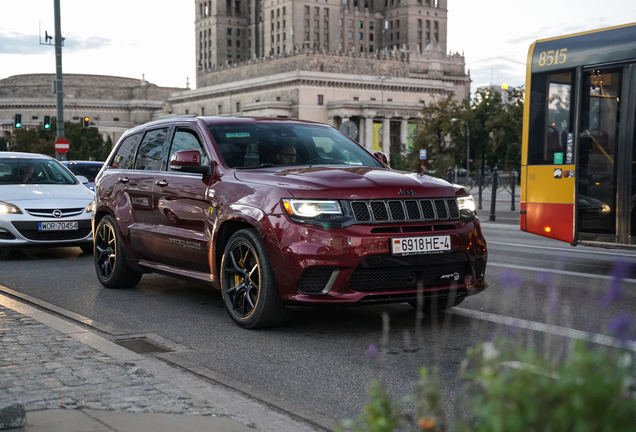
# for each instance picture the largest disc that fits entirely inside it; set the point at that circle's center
(248, 284)
(110, 262)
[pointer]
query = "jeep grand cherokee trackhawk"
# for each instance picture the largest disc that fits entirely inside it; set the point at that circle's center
(277, 212)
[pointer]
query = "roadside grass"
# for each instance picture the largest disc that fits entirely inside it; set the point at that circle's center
(515, 381)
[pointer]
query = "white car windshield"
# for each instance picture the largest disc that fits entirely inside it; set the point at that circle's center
(15, 171)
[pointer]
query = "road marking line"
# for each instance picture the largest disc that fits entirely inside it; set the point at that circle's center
(544, 328)
(623, 254)
(560, 272)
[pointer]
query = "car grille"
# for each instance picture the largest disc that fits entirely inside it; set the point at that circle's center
(377, 274)
(407, 210)
(30, 231)
(49, 212)
(314, 281)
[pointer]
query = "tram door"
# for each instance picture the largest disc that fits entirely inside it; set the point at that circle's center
(606, 172)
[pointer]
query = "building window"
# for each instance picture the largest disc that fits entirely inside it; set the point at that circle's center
(317, 11)
(284, 23)
(371, 37)
(229, 32)
(284, 10)
(326, 12)
(272, 26)
(306, 23)
(272, 14)
(397, 36)
(397, 23)
(306, 10)
(229, 53)
(361, 48)
(356, 98)
(321, 100)
(389, 100)
(219, 109)
(278, 12)
(372, 99)
(229, 42)
(202, 111)
(350, 23)
(361, 36)
(238, 107)
(419, 23)
(391, 25)
(278, 98)
(371, 25)
(238, 32)
(361, 24)
(350, 35)
(370, 48)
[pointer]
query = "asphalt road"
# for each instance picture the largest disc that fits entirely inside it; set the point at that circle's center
(541, 291)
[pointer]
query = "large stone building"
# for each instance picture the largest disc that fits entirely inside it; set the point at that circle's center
(368, 65)
(113, 104)
(375, 63)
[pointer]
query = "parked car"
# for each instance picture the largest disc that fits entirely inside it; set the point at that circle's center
(42, 204)
(88, 169)
(268, 212)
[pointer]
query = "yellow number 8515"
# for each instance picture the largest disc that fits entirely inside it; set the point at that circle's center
(553, 57)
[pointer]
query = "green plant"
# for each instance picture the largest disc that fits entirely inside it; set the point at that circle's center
(516, 389)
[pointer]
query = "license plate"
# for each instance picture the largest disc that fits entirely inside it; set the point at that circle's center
(420, 245)
(57, 226)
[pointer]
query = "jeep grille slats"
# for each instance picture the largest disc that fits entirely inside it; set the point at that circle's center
(407, 210)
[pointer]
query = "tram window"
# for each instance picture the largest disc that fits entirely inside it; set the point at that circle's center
(550, 119)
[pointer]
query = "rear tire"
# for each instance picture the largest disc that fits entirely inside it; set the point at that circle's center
(248, 284)
(110, 261)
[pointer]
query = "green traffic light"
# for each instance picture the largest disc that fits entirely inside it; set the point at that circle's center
(18, 125)
(46, 126)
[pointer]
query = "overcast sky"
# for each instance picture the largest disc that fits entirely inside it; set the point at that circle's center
(156, 38)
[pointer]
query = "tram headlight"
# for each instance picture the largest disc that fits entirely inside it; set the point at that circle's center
(605, 209)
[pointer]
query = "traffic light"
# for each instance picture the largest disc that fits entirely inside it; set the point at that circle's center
(17, 121)
(46, 124)
(86, 122)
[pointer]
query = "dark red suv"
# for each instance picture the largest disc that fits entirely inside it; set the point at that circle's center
(277, 212)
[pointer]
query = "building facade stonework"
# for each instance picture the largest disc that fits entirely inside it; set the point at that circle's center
(113, 104)
(375, 63)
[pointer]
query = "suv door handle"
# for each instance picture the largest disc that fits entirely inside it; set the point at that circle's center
(123, 180)
(161, 183)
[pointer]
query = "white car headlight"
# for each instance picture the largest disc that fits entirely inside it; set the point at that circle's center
(6, 208)
(466, 203)
(91, 207)
(311, 208)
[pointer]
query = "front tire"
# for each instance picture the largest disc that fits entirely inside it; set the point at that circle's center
(248, 284)
(110, 262)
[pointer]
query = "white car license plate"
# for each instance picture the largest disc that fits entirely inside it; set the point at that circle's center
(57, 226)
(420, 245)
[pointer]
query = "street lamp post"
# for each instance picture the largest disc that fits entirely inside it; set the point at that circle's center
(467, 148)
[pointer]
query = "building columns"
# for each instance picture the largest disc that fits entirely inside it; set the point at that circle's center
(368, 133)
(386, 136)
(361, 130)
(404, 132)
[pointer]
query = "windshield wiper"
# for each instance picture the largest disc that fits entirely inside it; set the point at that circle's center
(263, 165)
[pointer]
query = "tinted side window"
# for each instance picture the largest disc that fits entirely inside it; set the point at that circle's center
(125, 155)
(187, 140)
(152, 150)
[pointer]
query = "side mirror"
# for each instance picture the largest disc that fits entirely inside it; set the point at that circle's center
(189, 161)
(83, 180)
(381, 156)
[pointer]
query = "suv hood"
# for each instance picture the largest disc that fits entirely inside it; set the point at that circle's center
(25, 194)
(349, 182)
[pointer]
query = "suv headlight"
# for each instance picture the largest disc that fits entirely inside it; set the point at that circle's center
(91, 207)
(466, 205)
(6, 208)
(311, 208)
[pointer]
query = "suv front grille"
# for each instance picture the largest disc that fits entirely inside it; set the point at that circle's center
(408, 272)
(67, 212)
(407, 210)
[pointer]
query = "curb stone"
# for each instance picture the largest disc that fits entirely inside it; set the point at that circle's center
(12, 416)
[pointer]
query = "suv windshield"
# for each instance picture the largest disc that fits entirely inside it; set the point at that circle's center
(15, 171)
(249, 145)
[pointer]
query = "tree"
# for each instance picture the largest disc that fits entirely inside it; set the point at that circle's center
(432, 133)
(86, 144)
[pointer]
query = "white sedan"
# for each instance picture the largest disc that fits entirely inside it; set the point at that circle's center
(43, 204)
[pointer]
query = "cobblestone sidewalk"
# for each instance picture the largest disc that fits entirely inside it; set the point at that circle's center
(44, 368)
